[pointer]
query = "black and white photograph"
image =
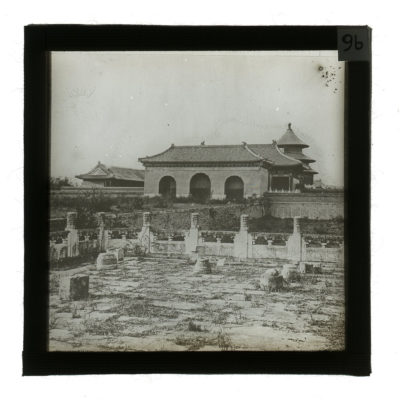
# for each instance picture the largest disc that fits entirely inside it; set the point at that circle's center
(197, 201)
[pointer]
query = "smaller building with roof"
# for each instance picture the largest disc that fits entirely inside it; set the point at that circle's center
(229, 171)
(103, 176)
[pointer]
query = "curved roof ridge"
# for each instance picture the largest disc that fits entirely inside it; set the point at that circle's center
(286, 156)
(252, 152)
(208, 145)
(158, 154)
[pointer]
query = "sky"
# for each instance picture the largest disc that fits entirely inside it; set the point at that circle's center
(115, 107)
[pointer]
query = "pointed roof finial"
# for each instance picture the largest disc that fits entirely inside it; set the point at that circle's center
(290, 139)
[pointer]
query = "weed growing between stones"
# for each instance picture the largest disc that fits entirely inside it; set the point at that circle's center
(53, 319)
(193, 327)
(224, 341)
(109, 327)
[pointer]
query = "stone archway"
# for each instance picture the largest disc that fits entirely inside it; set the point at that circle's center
(167, 187)
(200, 187)
(234, 188)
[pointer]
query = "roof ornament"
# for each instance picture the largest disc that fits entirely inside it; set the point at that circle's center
(290, 126)
(274, 143)
(244, 143)
(203, 143)
(172, 145)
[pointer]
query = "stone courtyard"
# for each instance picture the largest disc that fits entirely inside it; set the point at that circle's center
(157, 303)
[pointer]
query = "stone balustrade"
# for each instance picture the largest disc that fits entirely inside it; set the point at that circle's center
(294, 247)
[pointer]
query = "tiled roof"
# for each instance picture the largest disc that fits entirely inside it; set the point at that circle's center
(289, 138)
(221, 153)
(272, 154)
(127, 173)
(300, 156)
(101, 171)
(309, 170)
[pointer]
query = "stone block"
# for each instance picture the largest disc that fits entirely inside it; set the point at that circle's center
(317, 269)
(310, 268)
(119, 253)
(193, 257)
(74, 287)
(290, 272)
(202, 266)
(306, 268)
(272, 280)
(220, 262)
(106, 261)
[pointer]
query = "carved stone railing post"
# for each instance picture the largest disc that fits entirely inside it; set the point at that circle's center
(294, 244)
(296, 225)
(192, 236)
(244, 222)
(73, 237)
(243, 242)
(103, 233)
(145, 236)
(194, 221)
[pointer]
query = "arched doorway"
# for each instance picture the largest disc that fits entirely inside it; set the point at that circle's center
(234, 188)
(167, 187)
(200, 187)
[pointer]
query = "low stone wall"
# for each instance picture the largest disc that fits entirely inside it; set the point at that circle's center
(265, 251)
(112, 192)
(306, 205)
(168, 247)
(218, 249)
(323, 254)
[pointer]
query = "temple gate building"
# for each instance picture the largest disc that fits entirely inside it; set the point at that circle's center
(229, 171)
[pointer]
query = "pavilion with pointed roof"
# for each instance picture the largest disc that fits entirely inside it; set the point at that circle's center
(232, 171)
(293, 147)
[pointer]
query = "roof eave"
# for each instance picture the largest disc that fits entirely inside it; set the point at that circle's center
(94, 177)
